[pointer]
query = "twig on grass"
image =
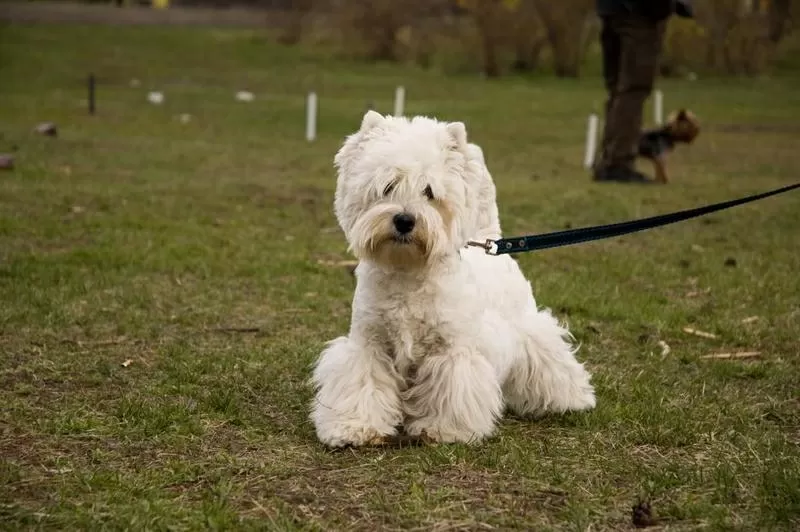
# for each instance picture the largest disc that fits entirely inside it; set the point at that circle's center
(702, 334)
(97, 343)
(237, 329)
(343, 263)
(730, 356)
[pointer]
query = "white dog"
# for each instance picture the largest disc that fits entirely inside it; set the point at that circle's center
(443, 336)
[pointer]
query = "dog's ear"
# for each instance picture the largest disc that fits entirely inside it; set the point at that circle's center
(458, 132)
(370, 120)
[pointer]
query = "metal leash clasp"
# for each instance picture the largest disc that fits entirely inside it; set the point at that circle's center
(489, 246)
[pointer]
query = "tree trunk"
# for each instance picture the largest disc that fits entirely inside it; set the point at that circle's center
(527, 55)
(779, 13)
(490, 65)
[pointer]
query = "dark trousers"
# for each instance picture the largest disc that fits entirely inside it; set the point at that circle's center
(631, 48)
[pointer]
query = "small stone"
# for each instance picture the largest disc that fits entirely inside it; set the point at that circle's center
(730, 262)
(156, 98)
(245, 96)
(642, 515)
(48, 129)
(6, 162)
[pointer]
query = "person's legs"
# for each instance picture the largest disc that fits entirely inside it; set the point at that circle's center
(640, 42)
(610, 45)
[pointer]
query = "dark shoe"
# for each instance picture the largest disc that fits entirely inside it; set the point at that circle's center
(683, 8)
(621, 175)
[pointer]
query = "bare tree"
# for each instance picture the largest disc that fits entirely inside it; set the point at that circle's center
(296, 19)
(780, 18)
(379, 22)
(566, 25)
(488, 17)
(529, 38)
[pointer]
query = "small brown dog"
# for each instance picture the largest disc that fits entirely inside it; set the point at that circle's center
(655, 144)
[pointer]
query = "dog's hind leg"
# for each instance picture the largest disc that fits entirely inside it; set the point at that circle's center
(357, 398)
(546, 376)
(660, 165)
(455, 398)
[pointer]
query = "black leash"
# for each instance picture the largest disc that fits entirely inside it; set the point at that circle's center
(520, 244)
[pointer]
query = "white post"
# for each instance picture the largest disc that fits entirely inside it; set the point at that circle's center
(591, 141)
(311, 117)
(399, 100)
(658, 107)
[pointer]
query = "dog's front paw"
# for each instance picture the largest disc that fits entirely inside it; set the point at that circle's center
(428, 431)
(338, 437)
(582, 399)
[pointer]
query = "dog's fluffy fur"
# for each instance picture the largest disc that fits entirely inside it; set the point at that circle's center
(443, 337)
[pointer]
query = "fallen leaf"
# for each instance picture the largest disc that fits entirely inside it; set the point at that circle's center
(695, 293)
(702, 334)
(751, 319)
(664, 348)
(728, 356)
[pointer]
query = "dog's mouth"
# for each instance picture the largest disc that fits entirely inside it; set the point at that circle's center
(402, 238)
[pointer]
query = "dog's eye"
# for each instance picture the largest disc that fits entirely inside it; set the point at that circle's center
(428, 192)
(388, 189)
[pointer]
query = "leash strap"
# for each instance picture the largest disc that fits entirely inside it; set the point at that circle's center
(520, 244)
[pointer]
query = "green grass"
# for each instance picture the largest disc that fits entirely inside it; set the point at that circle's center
(133, 236)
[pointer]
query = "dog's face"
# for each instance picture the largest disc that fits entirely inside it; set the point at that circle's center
(683, 126)
(405, 192)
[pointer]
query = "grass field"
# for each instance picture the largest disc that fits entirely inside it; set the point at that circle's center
(200, 253)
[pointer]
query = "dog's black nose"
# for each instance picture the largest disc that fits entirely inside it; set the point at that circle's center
(403, 222)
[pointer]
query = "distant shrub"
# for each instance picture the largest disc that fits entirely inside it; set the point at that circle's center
(685, 45)
(568, 25)
(726, 36)
(376, 24)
